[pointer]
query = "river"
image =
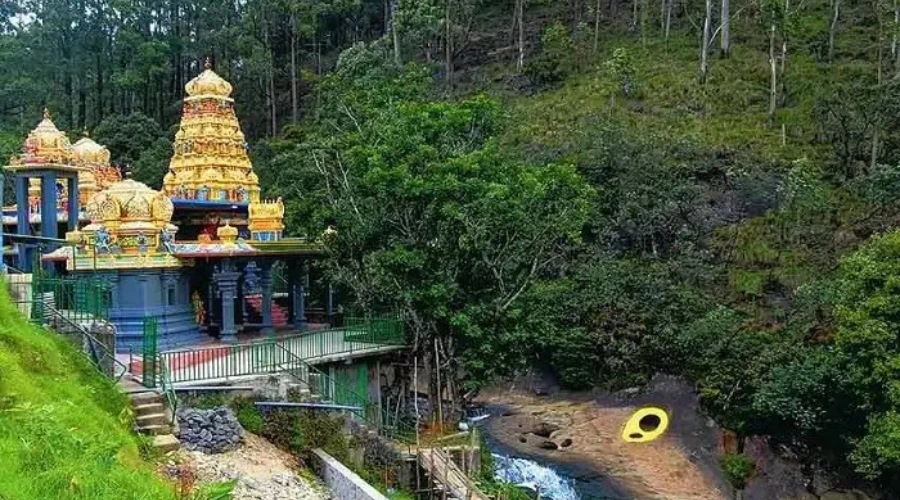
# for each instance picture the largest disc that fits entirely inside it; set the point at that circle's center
(554, 481)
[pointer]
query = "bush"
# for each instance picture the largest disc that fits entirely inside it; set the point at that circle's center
(301, 431)
(248, 414)
(737, 469)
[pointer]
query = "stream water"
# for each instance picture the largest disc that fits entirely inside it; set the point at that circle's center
(546, 481)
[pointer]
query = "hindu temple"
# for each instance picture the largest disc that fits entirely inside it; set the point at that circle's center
(198, 255)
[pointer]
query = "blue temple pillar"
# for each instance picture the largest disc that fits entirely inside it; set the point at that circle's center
(73, 203)
(298, 279)
(226, 282)
(48, 205)
(23, 224)
(49, 220)
(265, 283)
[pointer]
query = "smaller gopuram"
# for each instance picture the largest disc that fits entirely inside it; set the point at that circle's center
(46, 165)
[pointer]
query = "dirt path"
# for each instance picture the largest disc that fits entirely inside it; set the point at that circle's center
(263, 472)
(681, 465)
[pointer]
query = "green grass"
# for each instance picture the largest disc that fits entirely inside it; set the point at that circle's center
(64, 428)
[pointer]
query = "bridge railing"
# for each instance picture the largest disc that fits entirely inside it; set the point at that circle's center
(262, 357)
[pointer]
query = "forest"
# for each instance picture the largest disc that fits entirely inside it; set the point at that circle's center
(603, 190)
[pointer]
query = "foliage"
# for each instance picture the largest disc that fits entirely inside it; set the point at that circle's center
(737, 468)
(301, 431)
(621, 68)
(128, 137)
(65, 430)
(555, 61)
(248, 414)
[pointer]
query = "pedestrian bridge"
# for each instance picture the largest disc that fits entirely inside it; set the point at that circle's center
(271, 355)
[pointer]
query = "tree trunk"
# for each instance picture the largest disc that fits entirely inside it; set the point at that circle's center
(662, 16)
(634, 14)
(773, 84)
(704, 43)
(100, 104)
(448, 45)
(295, 103)
(395, 35)
(597, 27)
(726, 28)
(668, 21)
(784, 48)
(895, 55)
(520, 10)
(836, 5)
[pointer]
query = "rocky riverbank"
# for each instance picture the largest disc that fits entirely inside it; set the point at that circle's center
(580, 434)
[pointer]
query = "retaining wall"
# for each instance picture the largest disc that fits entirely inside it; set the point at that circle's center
(345, 484)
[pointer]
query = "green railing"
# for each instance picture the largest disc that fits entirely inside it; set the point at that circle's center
(328, 389)
(150, 351)
(165, 382)
(78, 298)
(102, 356)
(259, 358)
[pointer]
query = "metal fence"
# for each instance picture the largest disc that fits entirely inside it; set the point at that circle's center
(267, 356)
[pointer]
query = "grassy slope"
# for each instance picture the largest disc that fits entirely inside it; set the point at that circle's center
(64, 429)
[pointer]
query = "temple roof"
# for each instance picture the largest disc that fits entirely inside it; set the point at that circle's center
(45, 146)
(208, 84)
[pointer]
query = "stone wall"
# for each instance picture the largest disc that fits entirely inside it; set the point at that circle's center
(344, 483)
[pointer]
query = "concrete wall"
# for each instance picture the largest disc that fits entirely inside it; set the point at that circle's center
(344, 483)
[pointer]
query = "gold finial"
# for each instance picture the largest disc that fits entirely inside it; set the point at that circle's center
(46, 113)
(207, 64)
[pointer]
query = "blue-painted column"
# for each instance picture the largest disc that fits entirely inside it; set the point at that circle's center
(265, 283)
(48, 205)
(226, 281)
(298, 298)
(49, 220)
(23, 225)
(73, 203)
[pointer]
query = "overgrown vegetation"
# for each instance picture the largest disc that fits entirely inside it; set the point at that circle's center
(64, 428)
(582, 190)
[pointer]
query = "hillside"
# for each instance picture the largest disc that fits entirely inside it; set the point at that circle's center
(64, 428)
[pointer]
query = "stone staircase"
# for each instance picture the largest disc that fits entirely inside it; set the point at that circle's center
(152, 416)
(279, 313)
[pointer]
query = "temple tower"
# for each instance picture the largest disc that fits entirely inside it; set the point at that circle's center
(44, 168)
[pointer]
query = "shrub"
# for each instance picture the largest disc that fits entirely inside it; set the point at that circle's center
(737, 469)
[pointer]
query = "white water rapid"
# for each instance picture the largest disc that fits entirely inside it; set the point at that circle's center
(527, 473)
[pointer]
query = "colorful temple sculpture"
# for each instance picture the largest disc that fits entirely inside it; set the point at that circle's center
(197, 255)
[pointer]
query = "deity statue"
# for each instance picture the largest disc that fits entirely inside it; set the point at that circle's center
(241, 193)
(101, 240)
(202, 193)
(180, 192)
(142, 243)
(199, 311)
(166, 240)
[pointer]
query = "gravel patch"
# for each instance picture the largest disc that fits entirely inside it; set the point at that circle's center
(263, 472)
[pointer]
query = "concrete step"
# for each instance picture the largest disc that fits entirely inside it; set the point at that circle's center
(149, 409)
(154, 429)
(166, 443)
(152, 419)
(142, 398)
